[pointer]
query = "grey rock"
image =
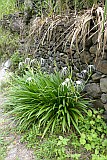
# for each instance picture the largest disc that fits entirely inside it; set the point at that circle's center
(96, 76)
(101, 65)
(97, 103)
(93, 90)
(57, 59)
(105, 107)
(75, 69)
(104, 98)
(103, 84)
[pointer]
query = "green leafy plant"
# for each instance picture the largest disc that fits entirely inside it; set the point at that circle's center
(46, 100)
(60, 150)
(94, 134)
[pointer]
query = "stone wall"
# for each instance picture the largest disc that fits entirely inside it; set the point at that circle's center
(49, 45)
(53, 53)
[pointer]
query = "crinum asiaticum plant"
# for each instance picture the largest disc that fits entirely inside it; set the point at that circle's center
(46, 100)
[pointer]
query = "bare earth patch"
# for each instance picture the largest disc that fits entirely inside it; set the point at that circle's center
(15, 149)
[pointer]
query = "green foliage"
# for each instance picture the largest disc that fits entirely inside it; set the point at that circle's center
(48, 7)
(3, 147)
(60, 150)
(79, 4)
(92, 143)
(7, 7)
(46, 100)
(94, 134)
(8, 43)
(15, 59)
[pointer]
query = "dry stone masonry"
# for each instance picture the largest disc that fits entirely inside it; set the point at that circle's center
(53, 53)
(51, 48)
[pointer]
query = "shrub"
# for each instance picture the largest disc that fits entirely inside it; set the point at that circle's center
(46, 100)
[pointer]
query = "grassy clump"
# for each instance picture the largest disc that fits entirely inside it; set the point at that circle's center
(46, 100)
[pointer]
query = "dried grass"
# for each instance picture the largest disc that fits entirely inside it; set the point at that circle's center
(76, 33)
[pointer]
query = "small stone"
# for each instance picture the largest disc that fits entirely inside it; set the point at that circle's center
(104, 98)
(103, 84)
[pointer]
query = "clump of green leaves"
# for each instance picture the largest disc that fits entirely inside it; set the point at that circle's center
(46, 100)
(94, 135)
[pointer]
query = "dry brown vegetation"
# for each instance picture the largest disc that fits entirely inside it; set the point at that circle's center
(78, 28)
